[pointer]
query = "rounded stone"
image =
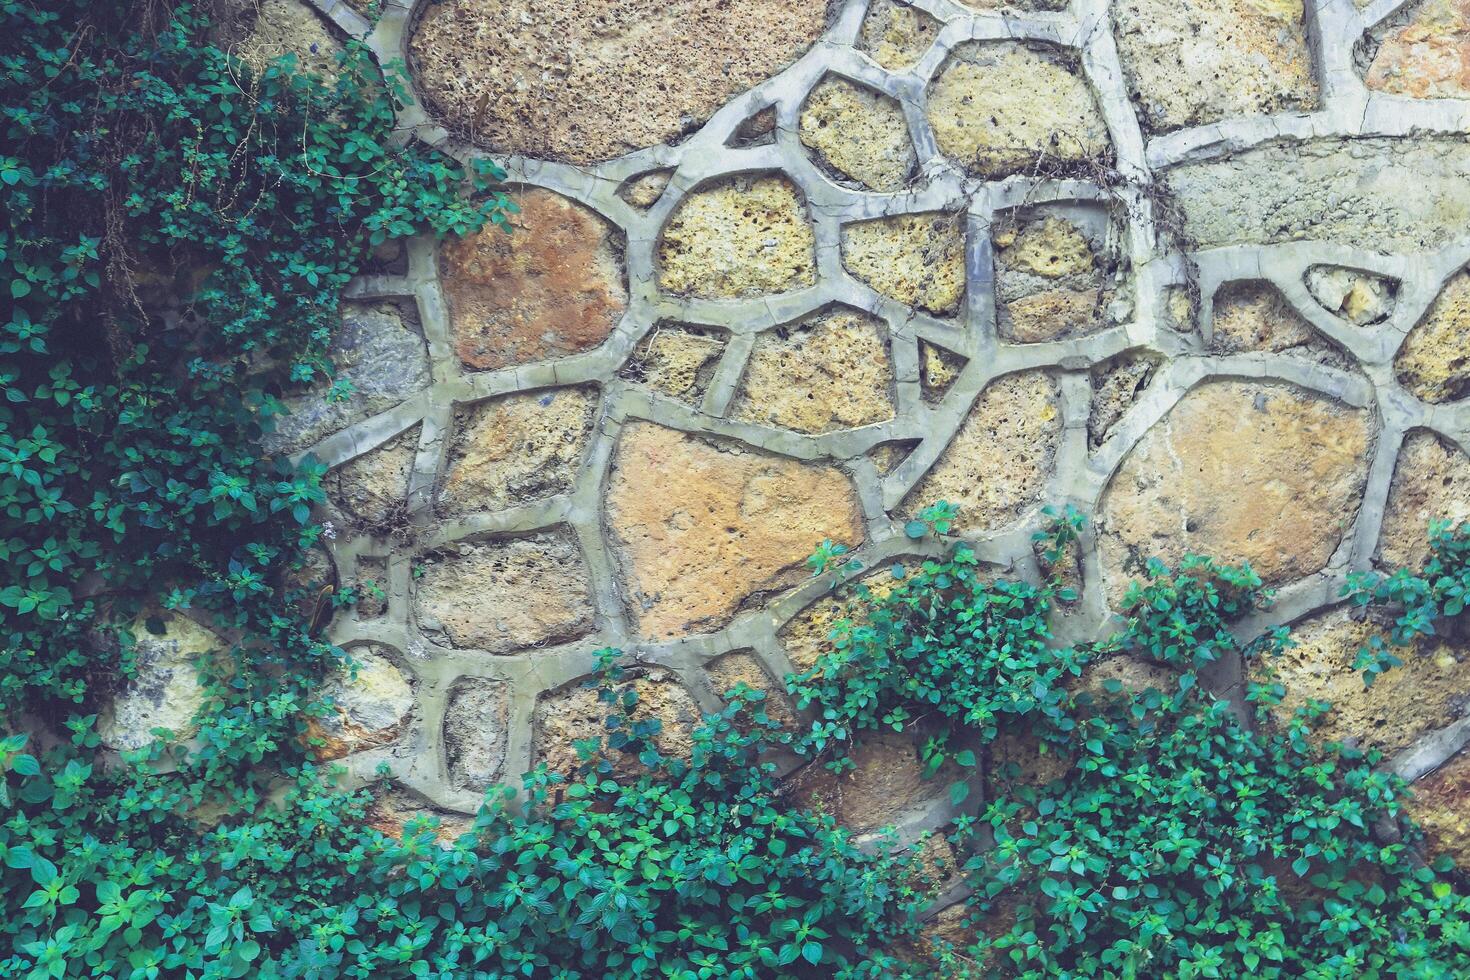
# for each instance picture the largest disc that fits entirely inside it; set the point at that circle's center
(1252, 315)
(745, 236)
(592, 80)
(1441, 806)
(1431, 482)
(999, 108)
(553, 286)
(885, 784)
(1116, 386)
(1427, 55)
(1239, 471)
(575, 714)
(1434, 361)
(896, 35)
(916, 259)
(701, 528)
(477, 732)
(1051, 282)
(858, 133)
(165, 691)
(370, 706)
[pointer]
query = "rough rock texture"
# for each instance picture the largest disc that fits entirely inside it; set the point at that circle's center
(553, 286)
(1358, 297)
(1431, 482)
(476, 731)
(565, 717)
(1190, 62)
(743, 668)
(859, 133)
(1441, 805)
(938, 369)
(896, 35)
(166, 692)
(678, 361)
(1240, 471)
(259, 32)
(505, 595)
(373, 488)
(1426, 56)
(592, 80)
(1050, 282)
(997, 107)
(1429, 691)
(378, 355)
(1434, 361)
(916, 259)
(370, 705)
(828, 372)
(702, 527)
(1351, 192)
(399, 812)
(887, 779)
(644, 190)
(1115, 387)
(746, 236)
(517, 449)
(371, 587)
(1252, 315)
(808, 634)
(998, 462)
(886, 456)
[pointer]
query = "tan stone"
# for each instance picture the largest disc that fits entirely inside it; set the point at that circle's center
(1190, 62)
(1434, 361)
(886, 456)
(1431, 482)
(1239, 471)
(645, 190)
(1115, 387)
(1358, 297)
(370, 705)
(1252, 315)
(517, 449)
(1051, 247)
(896, 35)
(1428, 692)
(938, 369)
(886, 780)
(678, 361)
(1441, 805)
(859, 133)
(575, 714)
(477, 732)
(807, 636)
(1049, 280)
(745, 236)
(828, 372)
(701, 528)
(917, 259)
(1428, 55)
(734, 669)
(259, 32)
(505, 595)
(592, 80)
(373, 488)
(1052, 314)
(371, 588)
(551, 287)
(399, 812)
(165, 691)
(997, 465)
(1000, 108)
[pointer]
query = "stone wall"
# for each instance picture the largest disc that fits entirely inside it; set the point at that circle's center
(789, 271)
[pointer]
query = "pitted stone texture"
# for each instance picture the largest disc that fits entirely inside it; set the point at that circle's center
(744, 236)
(1434, 361)
(1429, 691)
(701, 528)
(1431, 482)
(259, 32)
(808, 634)
(1252, 315)
(644, 191)
(517, 449)
(1190, 62)
(859, 133)
(1050, 283)
(551, 287)
(887, 778)
(166, 692)
(1347, 191)
(1441, 806)
(886, 456)
(826, 373)
(476, 732)
(916, 259)
(896, 35)
(997, 465)
(733, 669)
(1361, 298)
(1115, 387)
(371, 588)
(1000, 108)
(506, 595)
(592, 80)
(1240, 471)
(1428, 55)
(370, 706)
(938, 369)
(563, 718)
(383, 360)
(678, 361)
(373, 488)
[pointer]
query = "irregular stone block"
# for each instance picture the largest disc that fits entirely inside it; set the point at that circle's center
(165, 692)
(644, 190)
(369, 708)
(554, 286)
(259, 32)
(1051, 280)
(476, 732)
(1358, 297)
(1190, 62)
(858, 133)
(745, 236)
(997, 465)
(701, 528)
(808, 634)
(507, 595)
(373, 488)
(1252, 315)
(886, 782)
(1431, 482)
(1434, 361)
(896, 35)
(678, 361)
(1427, 54)
(916, 259)
(574, 714)
(828, 372)
(1239, 471)
(398, 812)
(938, 369)
(517, 449)
(1116, 385)
(1441, 805)
(592, 80)
(998, 108)
(733, 669)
